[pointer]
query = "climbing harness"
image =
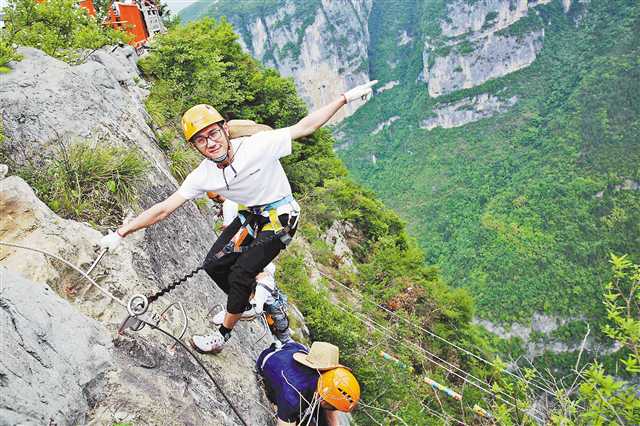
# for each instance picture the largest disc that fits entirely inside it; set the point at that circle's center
(136, 305)
(139, 304)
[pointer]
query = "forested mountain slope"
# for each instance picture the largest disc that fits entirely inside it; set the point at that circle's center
(523, 207)
(99, 138)
(505, 132)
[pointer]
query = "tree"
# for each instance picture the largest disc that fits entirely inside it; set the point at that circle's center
(57, 27)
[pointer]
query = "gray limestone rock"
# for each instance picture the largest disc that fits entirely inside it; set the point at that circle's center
(331, 57)
(492, 57)
(43, 100)
(52, 356)
(467, 110)
(475, 36)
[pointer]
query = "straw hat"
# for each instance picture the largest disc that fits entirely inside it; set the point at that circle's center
(322, 356)
(240, 128)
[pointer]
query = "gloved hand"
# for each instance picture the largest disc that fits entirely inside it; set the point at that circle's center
(359, 92)
(111, 241)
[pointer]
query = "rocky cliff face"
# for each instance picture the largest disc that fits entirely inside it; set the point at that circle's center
(326, 45)
(66, 364)
(140, 377)
(481, 41)
(486, 59)
(323, 46)
(467, 110)
(44, 377)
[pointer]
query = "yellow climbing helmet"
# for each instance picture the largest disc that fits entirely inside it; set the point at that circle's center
(197, 118)
(339, 388)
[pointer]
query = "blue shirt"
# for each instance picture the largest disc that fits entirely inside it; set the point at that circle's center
(280, 365)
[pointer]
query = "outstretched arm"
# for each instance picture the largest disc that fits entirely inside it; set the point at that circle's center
(318, 118)
(152, 215)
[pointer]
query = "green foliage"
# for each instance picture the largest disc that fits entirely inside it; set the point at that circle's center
(520, 208)
(166, 138)
(489, 18)
(7, 54)
(57, 27)
(87, 181)
(337, 319)
(182, 160)
(601, 399)
(201, 62)
(622, 301)
(523, 26)
(465, 48)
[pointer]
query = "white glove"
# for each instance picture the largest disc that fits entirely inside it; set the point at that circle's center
(111, 241)
(360, 92)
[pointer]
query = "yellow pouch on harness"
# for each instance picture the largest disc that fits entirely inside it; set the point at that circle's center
(274, 223)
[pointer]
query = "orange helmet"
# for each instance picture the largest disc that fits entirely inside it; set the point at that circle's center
(339, 388)
(197, 118)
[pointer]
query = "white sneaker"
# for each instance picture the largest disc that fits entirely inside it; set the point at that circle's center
(247, 315)
(210, 344)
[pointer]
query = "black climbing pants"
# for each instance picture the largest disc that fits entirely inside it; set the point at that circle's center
(235, 273)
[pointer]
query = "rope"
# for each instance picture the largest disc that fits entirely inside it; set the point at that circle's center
(71, 265)
(378, 327)
(430, 333)
(153, 326)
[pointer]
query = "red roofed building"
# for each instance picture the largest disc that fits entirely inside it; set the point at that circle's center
(88, 4)
(140, 18)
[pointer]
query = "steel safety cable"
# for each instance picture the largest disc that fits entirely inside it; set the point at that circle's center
(444, 367)
(445, 417)
(218, 387)
(428, 357)
(442, 339)
(71, 265)
(153, 326)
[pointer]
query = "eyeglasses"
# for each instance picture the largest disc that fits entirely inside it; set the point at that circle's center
(202, 140)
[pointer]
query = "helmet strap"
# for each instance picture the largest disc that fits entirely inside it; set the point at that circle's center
(224, 157)
(221, 159)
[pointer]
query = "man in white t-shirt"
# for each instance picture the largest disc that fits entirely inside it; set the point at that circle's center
(246, 170)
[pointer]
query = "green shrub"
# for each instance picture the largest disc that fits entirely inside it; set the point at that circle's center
(601, 398)
(89, 183)
(165, 139)
(201, 62)
(182, 160)
(7, 54)
(58, 27)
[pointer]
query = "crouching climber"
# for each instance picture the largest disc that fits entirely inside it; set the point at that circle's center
(306, 383)
(270, 300)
